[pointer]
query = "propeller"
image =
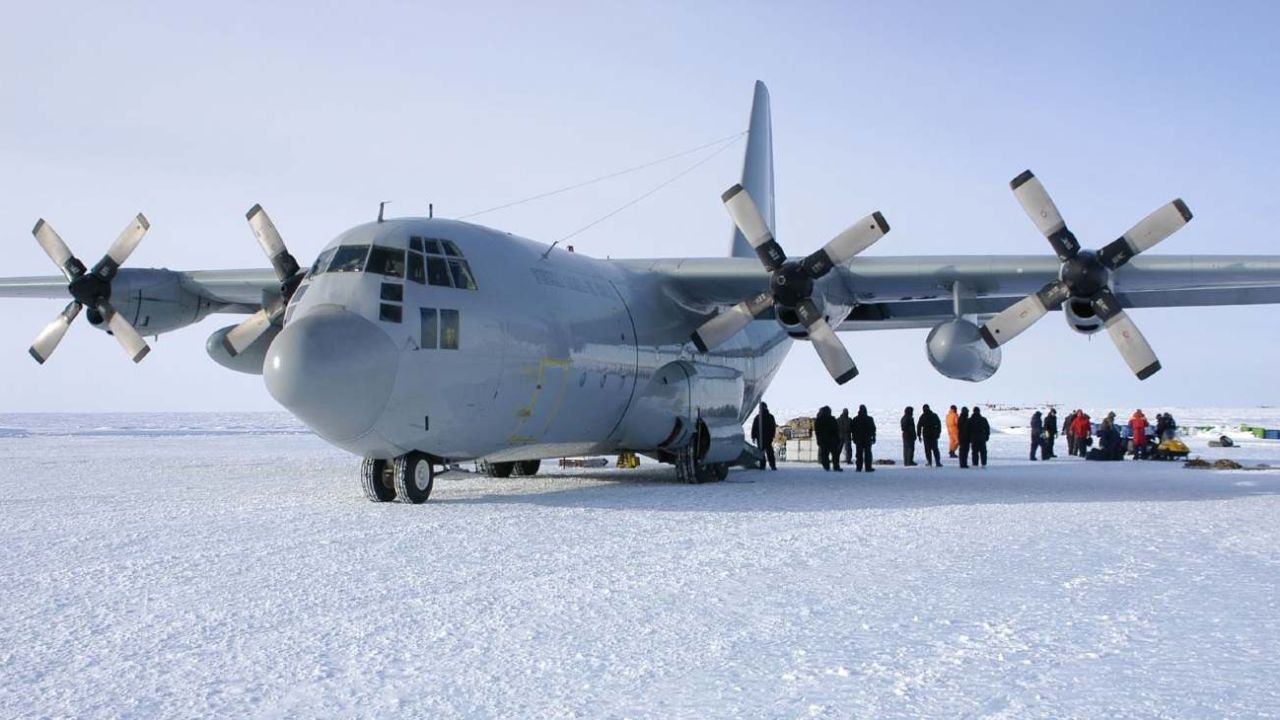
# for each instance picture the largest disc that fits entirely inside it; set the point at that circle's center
(90, 288)
(1086, 274)
(791, 282)
(287, 271)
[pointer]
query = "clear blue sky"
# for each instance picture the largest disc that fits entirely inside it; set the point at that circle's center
(194, 112)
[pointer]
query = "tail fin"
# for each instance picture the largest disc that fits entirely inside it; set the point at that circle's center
(757, 167)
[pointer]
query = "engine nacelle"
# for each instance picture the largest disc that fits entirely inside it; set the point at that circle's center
(957, 350)
(250, 361)
(718, 440)
(1081, 317)
(154, 301)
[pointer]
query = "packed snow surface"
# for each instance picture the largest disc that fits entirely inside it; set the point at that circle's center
(227, 565)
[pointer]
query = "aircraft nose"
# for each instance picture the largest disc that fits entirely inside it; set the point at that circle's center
(334, 370)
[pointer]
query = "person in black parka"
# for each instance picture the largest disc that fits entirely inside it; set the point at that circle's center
(930, 429)
(964, 437)
(908, 436)
(1050, 434)
(845, 424)
(1037, 430)
(864, 436)
(763, 430)
(827, 432)
(979, 433)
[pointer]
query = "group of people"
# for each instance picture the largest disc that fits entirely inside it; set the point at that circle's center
(1079, 430)
(853, 436)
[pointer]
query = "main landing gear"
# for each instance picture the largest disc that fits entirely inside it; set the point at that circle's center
(689, 470)
(519, 468)
(407, 479)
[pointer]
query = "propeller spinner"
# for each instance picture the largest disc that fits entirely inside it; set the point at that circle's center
(1086, 274)
(90, 288)
(791, 282)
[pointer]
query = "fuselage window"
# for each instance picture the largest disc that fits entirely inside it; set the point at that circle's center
(349, 258)
(438, 272)
(386, 261)
(449, 329)
(417, 271)
(322, 263)
(462, 275)
(430, 329)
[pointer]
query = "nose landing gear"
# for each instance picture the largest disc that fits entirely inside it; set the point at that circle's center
(407, 479)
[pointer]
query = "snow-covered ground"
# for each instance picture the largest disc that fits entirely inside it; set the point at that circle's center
(226, 565)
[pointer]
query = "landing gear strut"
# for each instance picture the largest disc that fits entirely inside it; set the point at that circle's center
(407, 479)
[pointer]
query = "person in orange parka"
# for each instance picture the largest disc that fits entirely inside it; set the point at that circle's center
(1082, 428)
(953, 430)
(1138, 423)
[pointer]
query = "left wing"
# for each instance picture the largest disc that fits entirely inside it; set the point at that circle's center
(222, 287)
(887, 292)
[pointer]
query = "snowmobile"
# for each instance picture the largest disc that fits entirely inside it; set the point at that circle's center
(1171, 449)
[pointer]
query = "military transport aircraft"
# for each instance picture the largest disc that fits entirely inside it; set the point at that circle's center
(413, 342)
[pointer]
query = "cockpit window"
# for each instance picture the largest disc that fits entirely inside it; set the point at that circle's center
(433, 246)
(461, 275)
(438, 272)
(450, 248)
(386, 261)
(349, 258)
(322, 262)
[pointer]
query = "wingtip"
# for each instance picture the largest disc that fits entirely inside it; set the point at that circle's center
(1149, 370)
(1021, 180)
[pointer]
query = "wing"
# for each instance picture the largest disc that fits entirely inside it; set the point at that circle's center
(894, 292)
(237, 288)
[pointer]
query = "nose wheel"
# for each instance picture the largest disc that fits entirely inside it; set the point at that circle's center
(407, 479)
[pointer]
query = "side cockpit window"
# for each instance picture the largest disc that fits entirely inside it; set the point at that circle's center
(386, 261)
(349, 258)
(322, 263)
(441, 263)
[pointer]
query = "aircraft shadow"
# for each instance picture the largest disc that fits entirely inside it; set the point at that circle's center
(802, 489)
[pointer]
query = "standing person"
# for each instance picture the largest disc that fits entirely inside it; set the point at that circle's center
(1037, 427)
(962, 423)
(930, 429)
(1050, 433)
(1170, 427)
(1082, 428)
(763, 429)
(828, 435)
(1069, 433)
(979, 433)
(953, 431)
(845, 424)
(908, 436)
(1138, 424)
(864, 436)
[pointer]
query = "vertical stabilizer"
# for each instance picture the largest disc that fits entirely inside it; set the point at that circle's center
(757, 167)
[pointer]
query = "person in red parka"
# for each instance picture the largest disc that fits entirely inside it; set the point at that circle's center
(1138, 423)
(1082, 428)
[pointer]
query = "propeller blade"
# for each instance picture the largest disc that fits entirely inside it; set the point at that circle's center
(247, 332)
(57, 250)
(122, 248)
(746, 215)
(1129, 340)
(124, 333)
(727, 324)
(48, 339)
(1165, 221)
(1039, 207)
(833, 353)
(1021, 315)
(843, 247)
(271, 243)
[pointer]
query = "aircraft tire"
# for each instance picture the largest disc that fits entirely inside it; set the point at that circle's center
(373, 481)
(413, 477)
(501, 469)
(527, 468)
